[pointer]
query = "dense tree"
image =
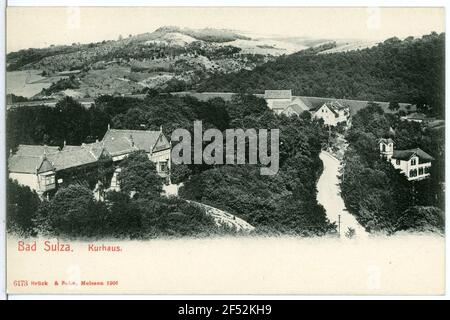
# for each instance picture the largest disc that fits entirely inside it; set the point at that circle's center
(74, 212)
(124, 219)
(69, 121)
(74, 126)
(138, 174)
(404, 71)
(422, 218)
(394, 106)
(377, 194)
(22, 206)
(283, 203)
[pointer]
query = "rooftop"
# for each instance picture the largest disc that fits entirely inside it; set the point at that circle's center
(407, 154)
(35, 150)
(298, 108)
(35, 158)
(72, 158)
(278, 94)
(386, 141)
(28, 164)
(123, 141)
(280, 104)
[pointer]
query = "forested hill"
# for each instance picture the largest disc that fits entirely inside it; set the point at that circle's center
(411, 70)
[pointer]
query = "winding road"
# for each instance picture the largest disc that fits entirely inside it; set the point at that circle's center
(221, 217)
(329, 197)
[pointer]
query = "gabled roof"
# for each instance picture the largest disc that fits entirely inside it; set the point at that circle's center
(35, 150)
(280, 104)
(70, 148)
(40, 159)
(336, 105)
(120, 146)
(28, 164)
(277, 94)
(71, 158)
(95, 148)
(124, 141)
(297, 108)
(409, 153)
(302, 102)
(386, 141)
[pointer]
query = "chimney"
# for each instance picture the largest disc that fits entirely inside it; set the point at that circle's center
(109, 126)
(160, 128)
(64, 143)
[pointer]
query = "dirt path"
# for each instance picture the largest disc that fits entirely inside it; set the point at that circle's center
(222, 218)
(329, 196)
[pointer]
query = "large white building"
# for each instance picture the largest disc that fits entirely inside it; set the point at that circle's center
(283, 102)
(332, 113)
(43, 168)
(415, 164)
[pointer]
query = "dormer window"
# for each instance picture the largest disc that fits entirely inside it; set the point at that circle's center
(47, 181)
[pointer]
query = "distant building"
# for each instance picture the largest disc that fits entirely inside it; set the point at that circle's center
(415, 117)
(296, 107)
(278, 100)
(120, 143)
(415, 163)
(43, 168)
(332, 113)
(282, 102)
(40, 167)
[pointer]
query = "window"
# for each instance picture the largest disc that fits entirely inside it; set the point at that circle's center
(397, 162)
(163, 165)
(114, 182)
(413, 162)
(413, 173)
(383, 148)
(427, 169)
(48, 180)
(420, 171)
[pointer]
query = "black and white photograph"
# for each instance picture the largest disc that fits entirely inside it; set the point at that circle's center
(225, 150)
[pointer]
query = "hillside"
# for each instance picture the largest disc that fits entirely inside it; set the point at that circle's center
(167, 59)
(409, 71)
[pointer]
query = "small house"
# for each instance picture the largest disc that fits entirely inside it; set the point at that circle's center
(332, 113)
(278, 100)
(415, 164)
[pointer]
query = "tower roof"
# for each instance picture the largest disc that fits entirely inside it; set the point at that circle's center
(386, 140)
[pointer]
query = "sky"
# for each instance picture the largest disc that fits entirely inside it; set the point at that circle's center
(42, 26)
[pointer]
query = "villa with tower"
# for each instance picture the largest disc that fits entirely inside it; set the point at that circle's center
(415, 164)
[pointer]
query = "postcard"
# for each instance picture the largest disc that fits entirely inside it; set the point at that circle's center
(225, 150)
